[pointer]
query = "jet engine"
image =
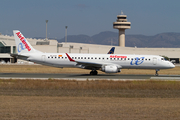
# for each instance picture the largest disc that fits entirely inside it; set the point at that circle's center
(110, 69)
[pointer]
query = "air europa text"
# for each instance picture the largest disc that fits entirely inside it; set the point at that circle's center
(23, 41)
(116, 56)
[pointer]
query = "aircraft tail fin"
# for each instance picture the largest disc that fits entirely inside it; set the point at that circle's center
(111, 51)
(22, 45)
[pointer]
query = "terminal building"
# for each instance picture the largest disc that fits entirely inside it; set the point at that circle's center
(7, 46)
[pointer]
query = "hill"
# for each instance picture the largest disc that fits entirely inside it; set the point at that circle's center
(166, 40)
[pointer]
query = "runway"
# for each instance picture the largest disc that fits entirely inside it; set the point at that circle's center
(86, 76)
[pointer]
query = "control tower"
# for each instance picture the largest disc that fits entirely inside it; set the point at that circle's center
(121, 24)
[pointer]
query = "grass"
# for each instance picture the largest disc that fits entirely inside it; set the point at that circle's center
(70, 99)
(88, 108)
(93, 84)
(97, 88)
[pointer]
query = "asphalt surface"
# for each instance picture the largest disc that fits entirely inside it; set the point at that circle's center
(86, 76)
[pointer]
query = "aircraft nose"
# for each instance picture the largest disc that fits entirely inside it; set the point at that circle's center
(171, 65)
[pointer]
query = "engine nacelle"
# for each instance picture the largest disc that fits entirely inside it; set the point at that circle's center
(110, 69)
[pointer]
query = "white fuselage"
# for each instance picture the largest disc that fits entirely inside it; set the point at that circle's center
(122, 60)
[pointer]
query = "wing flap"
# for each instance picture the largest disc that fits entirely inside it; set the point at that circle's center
(93, 64)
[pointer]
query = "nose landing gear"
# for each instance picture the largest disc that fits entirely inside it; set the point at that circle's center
(156, 74)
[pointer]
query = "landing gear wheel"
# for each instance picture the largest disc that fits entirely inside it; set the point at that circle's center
(93, 72)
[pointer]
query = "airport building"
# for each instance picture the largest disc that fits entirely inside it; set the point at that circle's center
(7, 46)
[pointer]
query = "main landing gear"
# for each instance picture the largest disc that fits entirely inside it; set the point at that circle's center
(156, 74)
(93, 72)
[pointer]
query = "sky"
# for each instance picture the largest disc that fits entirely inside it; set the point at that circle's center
(88, 17)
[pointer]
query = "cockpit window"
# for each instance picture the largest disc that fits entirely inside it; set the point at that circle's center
(163, 59)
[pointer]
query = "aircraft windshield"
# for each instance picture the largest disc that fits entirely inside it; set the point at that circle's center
(164, 59)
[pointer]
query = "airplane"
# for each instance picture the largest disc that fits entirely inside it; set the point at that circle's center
(111, 51)
(107, 63)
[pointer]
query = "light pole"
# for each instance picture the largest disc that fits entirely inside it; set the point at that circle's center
(66, 34)
(46, 28)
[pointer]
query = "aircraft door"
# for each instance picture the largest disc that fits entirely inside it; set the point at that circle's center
(43, 58)
(154, 60)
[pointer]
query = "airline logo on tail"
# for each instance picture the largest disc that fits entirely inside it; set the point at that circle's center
(21, 47)
(111, 51)
(23, 40)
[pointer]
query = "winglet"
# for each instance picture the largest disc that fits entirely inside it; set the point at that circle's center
(70, 59)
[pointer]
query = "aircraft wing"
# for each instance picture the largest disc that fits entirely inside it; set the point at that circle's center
(91, 64)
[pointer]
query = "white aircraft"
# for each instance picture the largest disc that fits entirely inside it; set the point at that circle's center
(108, 63)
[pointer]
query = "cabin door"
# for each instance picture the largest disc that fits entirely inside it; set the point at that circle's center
(43, 58)
(154, 60)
